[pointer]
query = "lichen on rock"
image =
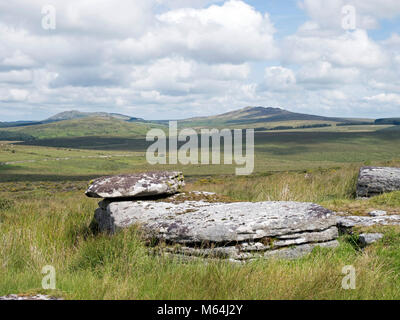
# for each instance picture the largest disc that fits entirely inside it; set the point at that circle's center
(136, 185)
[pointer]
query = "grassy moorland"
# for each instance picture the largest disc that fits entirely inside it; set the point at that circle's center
(45, 218)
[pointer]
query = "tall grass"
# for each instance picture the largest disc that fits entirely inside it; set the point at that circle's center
(310, 186)
(52, 228)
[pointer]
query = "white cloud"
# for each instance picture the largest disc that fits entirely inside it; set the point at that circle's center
(17, 59)
(279, 78)
(178, 76)
(16, 76)
(175, 59)
(328, 13)
(101, 18)
(350, 49)
(233, 32)
(385, 98)
(322, 72)
(15, 95)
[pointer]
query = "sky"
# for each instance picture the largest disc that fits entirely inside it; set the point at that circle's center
(174, 59)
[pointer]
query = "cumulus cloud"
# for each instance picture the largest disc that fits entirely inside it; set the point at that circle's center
(174, 58)
(329, 14)
(279, 78)
(13, 95)
(16, 76)
(93, 18)
(233, 32)
(177, 75)
(385, 98)
(350, 49)
(322, 72)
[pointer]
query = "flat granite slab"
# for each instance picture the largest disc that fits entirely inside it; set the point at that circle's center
(238, 231)
(136, 185)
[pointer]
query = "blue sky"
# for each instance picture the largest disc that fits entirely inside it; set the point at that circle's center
(285, 15)
(171, 59)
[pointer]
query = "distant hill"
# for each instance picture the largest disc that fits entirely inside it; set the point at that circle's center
(71, 115)
(81, 124)
(81, 127)
(261, 116)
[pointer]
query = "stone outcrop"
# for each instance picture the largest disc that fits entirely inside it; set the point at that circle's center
(366, 239)
(349, 222)
(206, 225)
(373, 181)
(136, 185)
(238, 231)
(377, 213)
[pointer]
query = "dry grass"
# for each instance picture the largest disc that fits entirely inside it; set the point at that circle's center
(49, 228)
(310, 186)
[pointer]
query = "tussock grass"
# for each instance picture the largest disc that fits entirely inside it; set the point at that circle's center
(309, 186)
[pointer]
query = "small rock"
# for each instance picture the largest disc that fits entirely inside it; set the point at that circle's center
(366, 239)
(373, 181)
(136, 185)
(377, 213)
(26, 297)
(360, 221)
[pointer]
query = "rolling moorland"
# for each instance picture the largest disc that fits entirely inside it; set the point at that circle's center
(45, 217)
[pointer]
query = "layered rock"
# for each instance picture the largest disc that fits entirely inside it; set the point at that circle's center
(349, 222)
(237, 231)
(136, 185)
(373, 181)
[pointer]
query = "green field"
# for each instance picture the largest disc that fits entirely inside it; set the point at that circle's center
(45, 218)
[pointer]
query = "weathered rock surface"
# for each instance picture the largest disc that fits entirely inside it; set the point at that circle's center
(235, 231)
(373, 181)
(377, 213)
(366, 239)
(361, 221)
(234, 253)
(136, 185)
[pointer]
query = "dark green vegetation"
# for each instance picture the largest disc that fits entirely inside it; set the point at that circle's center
(395, 121)
(45, 217)
(18, 124)
(310, 126)
(15, 136)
